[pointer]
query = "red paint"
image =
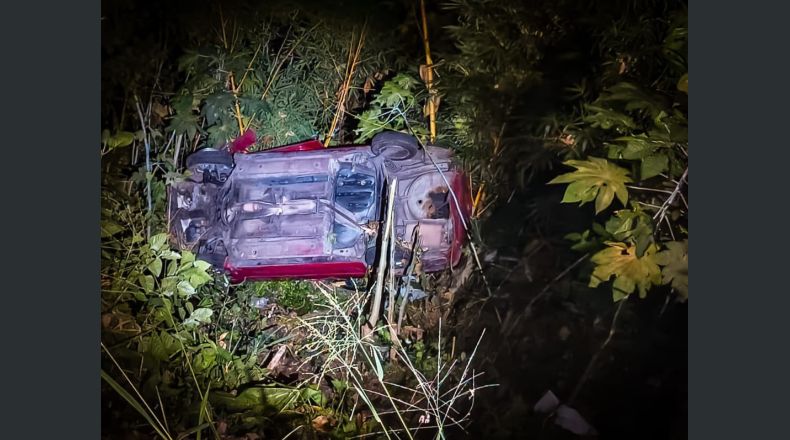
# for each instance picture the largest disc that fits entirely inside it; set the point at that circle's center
(301, 146)
(241, 143)
(461, 190)
(329, 269)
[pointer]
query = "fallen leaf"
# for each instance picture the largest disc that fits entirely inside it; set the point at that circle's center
(323, 423)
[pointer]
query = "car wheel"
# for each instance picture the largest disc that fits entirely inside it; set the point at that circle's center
(210, 165)
(394, 145)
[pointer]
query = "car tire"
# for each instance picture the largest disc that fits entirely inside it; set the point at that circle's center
(394, 145)
(209, 156)
(216, 163)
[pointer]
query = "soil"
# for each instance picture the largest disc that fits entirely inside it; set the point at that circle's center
(637, 388)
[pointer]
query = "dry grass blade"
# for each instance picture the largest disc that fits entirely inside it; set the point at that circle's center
(354, 53)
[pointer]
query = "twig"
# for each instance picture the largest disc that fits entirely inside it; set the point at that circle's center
(663, 211)
(670, 227)
(280, 65)
(588, 370)
(641, 188)
(147, 165)
(249, 67)
(485, 208)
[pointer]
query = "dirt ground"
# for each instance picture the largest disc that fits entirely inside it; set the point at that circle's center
(637, 388)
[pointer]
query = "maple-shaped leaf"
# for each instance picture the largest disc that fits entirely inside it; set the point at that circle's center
(397, 91)
(184, 123)
(630, 272)
(675, 260)
(594, 179)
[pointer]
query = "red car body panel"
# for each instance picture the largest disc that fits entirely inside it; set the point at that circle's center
(459, 215)
(330, 269)
(310, 145)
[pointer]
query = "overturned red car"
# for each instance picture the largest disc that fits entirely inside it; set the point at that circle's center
(304, 211)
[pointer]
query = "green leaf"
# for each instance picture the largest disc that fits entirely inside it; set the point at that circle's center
(184, 123)
(631, 225)
(654, 165)
(146, 282)
(120, 139)
(397, 92)
(630, 272)
(675, 260)
(642, 145)
(170, 255)
(370, 123)
(206, 359)
(198, 317)
(169, 285)
(198, 279)
(155, 267)
(110, 228)
(276, 398)
(187, 257)
(202, 265)
(606, 118)
(185, 289)
(163, 346)
(311, 392)
(157, 241)
(596, 179)
(634, 97)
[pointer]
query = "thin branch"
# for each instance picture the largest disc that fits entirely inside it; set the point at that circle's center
(147, 165)
(648, 189)
(663, 211)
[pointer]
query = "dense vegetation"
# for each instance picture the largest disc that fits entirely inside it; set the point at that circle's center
(588, 95)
